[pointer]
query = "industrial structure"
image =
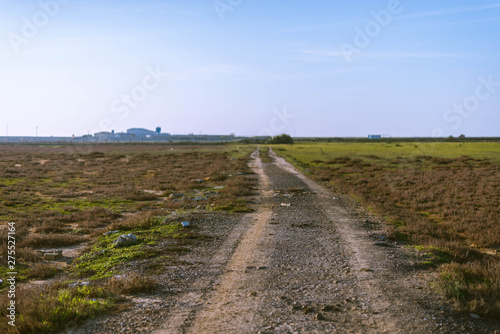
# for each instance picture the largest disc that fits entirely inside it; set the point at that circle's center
(131, 135)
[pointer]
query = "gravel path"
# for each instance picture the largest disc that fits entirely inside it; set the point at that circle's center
(306, 261)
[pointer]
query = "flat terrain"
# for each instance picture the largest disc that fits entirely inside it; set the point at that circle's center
(306, 261)
(268, 249)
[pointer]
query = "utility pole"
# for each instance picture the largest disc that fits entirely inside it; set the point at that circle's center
(7, 130)
(37, 131)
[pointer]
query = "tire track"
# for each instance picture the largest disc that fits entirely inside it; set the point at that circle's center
(232, 306)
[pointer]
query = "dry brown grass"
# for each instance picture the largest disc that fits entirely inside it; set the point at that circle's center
(78, 193)
(52, 240)
(474, 285)
(459, 202)
(43, 271)
(239, 187)
(132, 284)
(140, 220)
(27, 255)
(450, 206)
(91, 189)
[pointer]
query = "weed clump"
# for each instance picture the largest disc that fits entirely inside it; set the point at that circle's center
(50, 308)
(52, 240)
(42, 271)
(474, 286)
(132, 284)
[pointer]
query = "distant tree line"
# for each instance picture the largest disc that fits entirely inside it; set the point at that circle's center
(281, 139)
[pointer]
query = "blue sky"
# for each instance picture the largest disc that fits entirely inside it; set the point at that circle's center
(250, 68)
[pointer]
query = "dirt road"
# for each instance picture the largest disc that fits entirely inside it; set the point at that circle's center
(306, 261)
(309, 262)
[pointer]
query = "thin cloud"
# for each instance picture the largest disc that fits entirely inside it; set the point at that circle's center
(449, 11)
(322, 53)
(387, 55)
(225, 72)
(411, 16)
(426, 55)
(301, 29)
(58, 50)
(285, 43)
(318, 26)
(490, 20)
(220, 72)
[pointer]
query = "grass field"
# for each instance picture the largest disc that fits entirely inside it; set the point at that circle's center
(442, 199)
(324, 151)
(64, 197)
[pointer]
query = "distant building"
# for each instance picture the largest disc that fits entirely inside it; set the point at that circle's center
(103, 135)
(124, 136)
(374, 136)
(140, 132)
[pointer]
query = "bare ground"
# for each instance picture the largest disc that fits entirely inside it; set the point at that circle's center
(306, 261)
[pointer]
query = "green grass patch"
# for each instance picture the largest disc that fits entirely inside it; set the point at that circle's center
(434, 256)
(264, 154)
(103, 259)
(233, 206)
(22, 274)
(9, 182)
(51, 308)
(308, 152)
(241, 151)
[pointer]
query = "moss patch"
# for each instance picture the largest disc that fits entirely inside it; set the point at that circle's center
(103, 259)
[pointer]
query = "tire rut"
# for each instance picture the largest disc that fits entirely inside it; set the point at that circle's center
(234, 291)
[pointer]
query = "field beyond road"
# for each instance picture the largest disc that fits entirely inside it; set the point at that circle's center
(69, 204)
(441, 199)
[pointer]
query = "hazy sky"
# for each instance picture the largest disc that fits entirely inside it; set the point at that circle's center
(308, 68)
